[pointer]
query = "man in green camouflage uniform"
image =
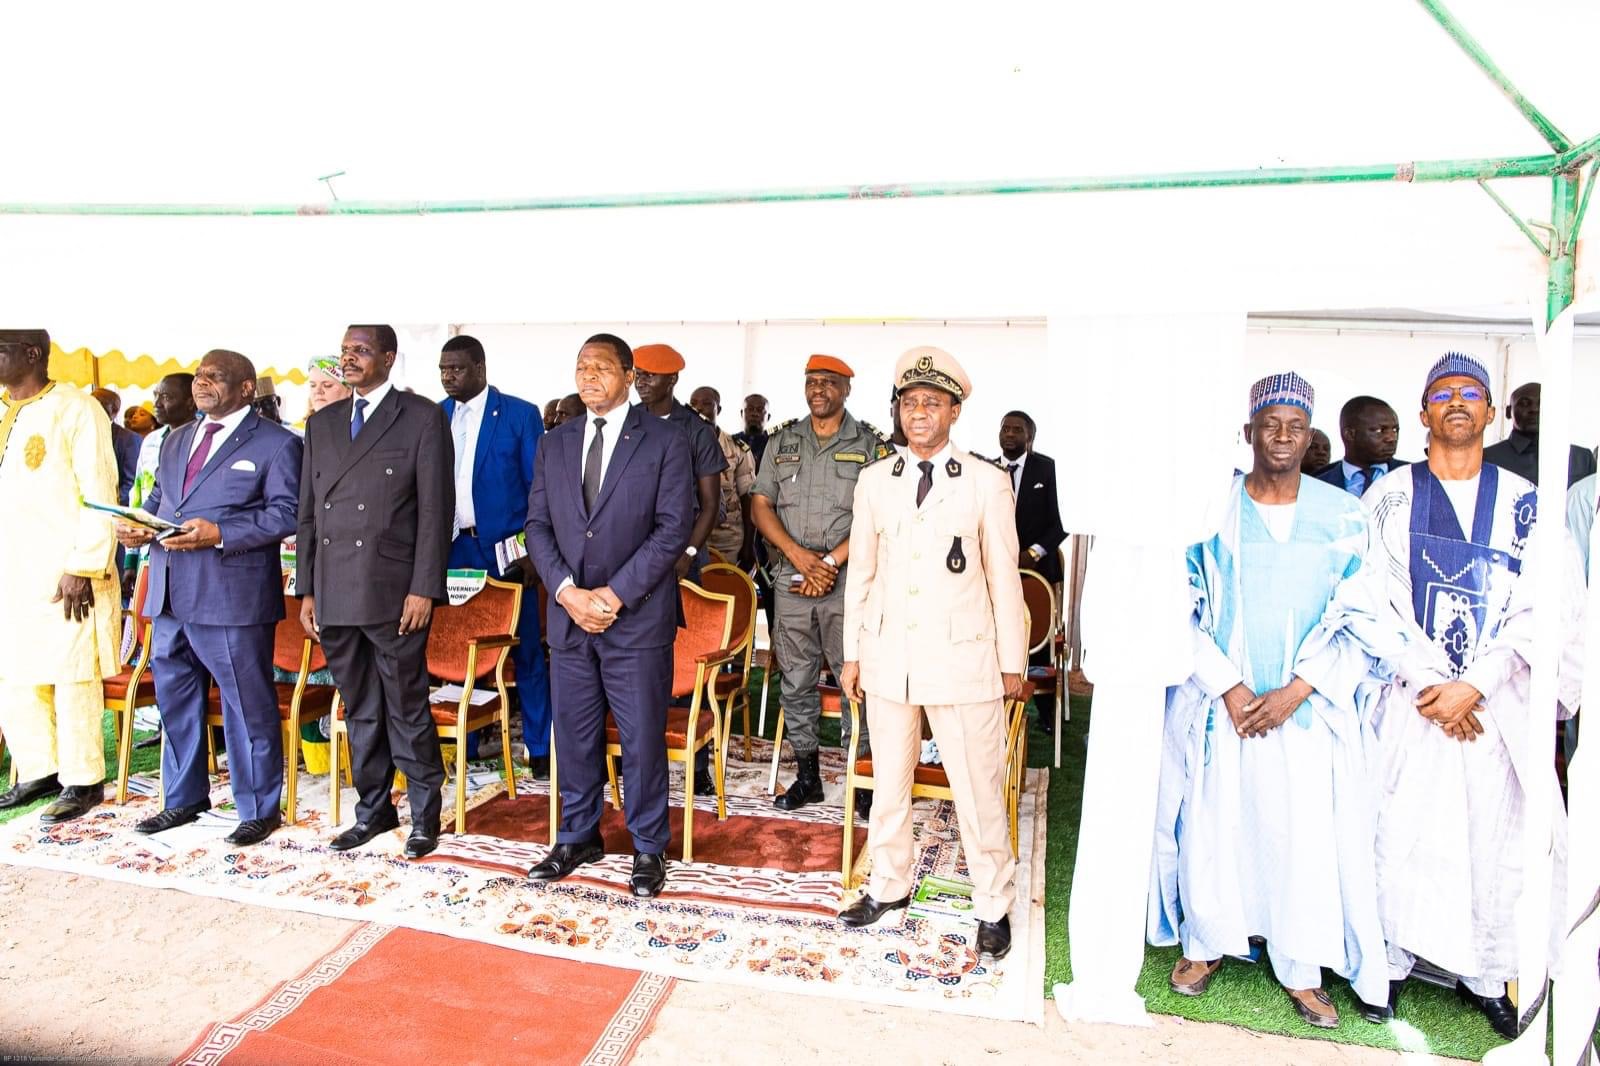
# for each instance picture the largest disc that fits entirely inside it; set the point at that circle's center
(802, 503)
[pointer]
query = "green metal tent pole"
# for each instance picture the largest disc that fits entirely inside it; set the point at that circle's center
(1415, 172)
(1469, 44)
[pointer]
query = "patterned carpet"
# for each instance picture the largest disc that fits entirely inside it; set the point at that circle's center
(732, 921)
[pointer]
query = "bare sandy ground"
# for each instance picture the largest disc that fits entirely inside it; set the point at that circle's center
(93, 971)
(715, 1024)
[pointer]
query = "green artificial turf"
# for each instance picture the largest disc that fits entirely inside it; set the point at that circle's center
(1430, 1020)
(146, 760)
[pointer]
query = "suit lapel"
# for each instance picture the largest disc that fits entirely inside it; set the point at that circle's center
(219, 455)
(486, 431)
(633, 432)
(374, 428)
(169, 471)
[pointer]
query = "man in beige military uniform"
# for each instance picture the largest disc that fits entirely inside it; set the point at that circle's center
(934, 623)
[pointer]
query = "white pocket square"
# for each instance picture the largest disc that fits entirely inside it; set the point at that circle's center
(243, 464)
(1038, 484)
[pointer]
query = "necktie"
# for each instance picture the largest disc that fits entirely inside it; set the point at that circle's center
(591, 466)
(926, 484)
(360, 418)
(1011, 472)
(197, 461)
(1364, 479)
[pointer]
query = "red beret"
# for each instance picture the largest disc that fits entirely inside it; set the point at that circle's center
(657, 359)
(831, 363)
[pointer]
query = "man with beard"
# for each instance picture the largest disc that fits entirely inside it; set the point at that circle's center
(1454, 765)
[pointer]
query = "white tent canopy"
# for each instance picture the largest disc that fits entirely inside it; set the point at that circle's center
(496, 102)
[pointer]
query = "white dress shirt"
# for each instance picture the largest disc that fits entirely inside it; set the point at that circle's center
(465, 423)
(938, 462)
(608, 444)
(373, 398)
(229, 424)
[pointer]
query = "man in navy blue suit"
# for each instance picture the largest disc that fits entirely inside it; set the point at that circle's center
(609, 516)
(1370, 430)
(496, 439)
(232, 480)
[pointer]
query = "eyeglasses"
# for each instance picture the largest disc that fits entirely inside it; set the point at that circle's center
(1469, 393)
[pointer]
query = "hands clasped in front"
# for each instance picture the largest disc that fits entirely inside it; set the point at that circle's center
(594, 610)
(1256, 716)
(820, 575)
(1454, 707)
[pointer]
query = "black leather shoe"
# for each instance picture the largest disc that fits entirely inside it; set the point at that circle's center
(1501, 1014)
(867, 910)
(171, 818)
(704, 784)
(565, 858)
(863, 805)
(1379, 1015)
(1047, 721)
(539, 766)
(649, 874)
(994, 938)
(75, 801)
(422, 841)
(25, 792)
(253, 831)
(362, 832)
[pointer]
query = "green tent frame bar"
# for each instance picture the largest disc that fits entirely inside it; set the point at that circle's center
(1564, 166)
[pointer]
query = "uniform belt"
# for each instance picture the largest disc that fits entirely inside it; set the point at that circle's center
(468, 531)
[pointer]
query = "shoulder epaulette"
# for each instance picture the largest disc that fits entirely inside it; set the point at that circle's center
(743, 447)
(780, 427)
(874, 430)
(998, 462)
(880, 450)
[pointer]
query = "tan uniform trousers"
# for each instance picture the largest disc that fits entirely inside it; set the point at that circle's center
(55, 729)
(972, 745)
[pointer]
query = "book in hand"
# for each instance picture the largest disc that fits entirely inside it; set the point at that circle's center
(136, 516)
(942, 897)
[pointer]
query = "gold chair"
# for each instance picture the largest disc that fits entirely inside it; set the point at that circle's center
(702, 648)
(132, 688)
(733, 687)
(1044, 632)
(467, 645)
(929, 780)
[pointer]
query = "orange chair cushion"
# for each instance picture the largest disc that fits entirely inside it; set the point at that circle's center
(117, 687)
(445, 713)
(314, 702)
(925, 774)
(677, 727)
(726, 685)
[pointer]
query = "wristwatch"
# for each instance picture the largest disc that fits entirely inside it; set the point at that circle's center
(831, 561)
(691, 551)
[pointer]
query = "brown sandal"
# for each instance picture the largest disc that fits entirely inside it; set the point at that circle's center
(1190, 978)
(1314, 1007)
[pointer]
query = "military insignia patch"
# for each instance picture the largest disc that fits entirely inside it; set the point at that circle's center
(33, 452)
(899, 466)
(849, 457)
(956, 561)
(786, 458)
(952, 468)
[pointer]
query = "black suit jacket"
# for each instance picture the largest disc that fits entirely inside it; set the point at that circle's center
(632, 539)
(1039, 515)
(375, 512)
(1333, 473)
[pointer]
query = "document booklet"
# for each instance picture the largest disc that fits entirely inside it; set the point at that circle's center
(135, 516)
(942, 897)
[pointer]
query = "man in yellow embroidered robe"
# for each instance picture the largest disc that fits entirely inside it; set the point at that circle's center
(61, 616)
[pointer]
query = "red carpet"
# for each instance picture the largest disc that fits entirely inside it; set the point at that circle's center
(741, 840)
(402, 997)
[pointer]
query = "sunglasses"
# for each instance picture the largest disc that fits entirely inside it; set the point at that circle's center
(1469, 393)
